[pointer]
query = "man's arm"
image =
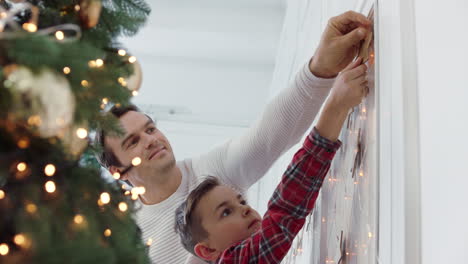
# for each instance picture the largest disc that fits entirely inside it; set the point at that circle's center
(243, 160)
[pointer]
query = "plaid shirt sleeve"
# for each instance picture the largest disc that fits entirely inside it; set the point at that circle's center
(292, 201)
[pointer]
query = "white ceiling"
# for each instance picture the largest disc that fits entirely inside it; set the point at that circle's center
(207, 61)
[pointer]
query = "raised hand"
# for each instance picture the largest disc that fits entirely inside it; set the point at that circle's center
(339, 44)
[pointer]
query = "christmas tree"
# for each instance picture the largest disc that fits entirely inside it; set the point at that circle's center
(61, 67)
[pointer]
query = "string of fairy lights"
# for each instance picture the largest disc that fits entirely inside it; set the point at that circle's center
(23, 169)
(350, 176)
(25, 242)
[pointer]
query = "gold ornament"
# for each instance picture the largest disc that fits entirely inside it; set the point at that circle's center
(89, 12)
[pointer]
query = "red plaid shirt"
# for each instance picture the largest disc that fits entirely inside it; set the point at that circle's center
(292, 201)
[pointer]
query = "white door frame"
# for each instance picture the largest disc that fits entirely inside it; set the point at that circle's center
(398, 133)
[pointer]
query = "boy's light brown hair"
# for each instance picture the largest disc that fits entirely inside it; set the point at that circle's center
(187, 223)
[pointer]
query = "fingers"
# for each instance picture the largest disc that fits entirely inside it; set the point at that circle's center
(343, 21)
(353, 64)
(355, 36)
(361, 80)
(357, 72)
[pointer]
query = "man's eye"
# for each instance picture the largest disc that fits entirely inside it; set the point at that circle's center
(133, 142)
(150, 130)
(226, 212)
(243, 202)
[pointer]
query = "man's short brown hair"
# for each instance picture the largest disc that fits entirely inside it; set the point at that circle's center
(106, 156)
(187, 223)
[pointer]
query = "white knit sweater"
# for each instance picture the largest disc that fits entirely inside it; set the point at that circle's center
(239, 162)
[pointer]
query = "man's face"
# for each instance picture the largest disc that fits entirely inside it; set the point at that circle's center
(142, 139)
(226, 217)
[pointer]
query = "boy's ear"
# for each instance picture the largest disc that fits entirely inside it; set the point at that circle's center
(204, 252)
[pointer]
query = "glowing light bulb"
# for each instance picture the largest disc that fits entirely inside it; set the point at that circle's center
(19, 239)
(4, 249)
(22, 241)
(122, 81)
(132, 59)
(149, 242)
(49, 170)
(32, 120)
(66, 70)
(50, 186)
(361, 173)
(123, 206)
(105, 198)
(81, 133)
(78, 219)
(85, 83)
(370, 235)
(59, 35)
(99, 63)
(77, 8)
(122, 52)
(116, 175)
(105, 100)
(23, 143)
(2, 194)
(21, 166)
(92, 64)
(31, 208)
(139, 190)
(136, 161)
(30, 27)
(135, 93)
(107, 232)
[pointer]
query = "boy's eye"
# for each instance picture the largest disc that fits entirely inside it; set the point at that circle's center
(226, 212)
(150, 130)
(243, 202)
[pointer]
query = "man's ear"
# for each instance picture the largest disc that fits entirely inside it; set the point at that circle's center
(113, 169)
(203, 251)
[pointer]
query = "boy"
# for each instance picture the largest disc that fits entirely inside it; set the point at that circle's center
(217, 225)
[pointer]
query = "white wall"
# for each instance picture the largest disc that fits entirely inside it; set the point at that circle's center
(213, 59)
(442, 43)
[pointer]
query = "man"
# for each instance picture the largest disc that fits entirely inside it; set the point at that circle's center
(239, 162)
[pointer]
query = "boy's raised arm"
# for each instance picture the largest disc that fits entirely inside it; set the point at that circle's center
(294, 198)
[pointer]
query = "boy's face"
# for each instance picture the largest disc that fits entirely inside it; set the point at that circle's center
(227, 218)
